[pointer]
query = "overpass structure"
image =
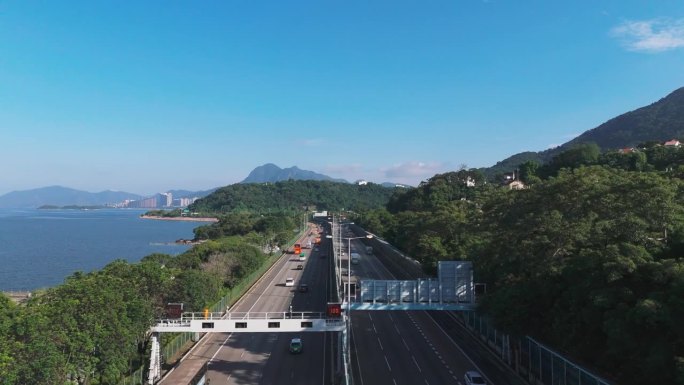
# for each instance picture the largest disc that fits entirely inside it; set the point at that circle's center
(256, 322)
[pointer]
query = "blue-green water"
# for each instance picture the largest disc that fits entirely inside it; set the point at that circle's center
(39, 248)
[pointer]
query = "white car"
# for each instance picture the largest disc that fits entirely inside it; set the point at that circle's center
(289, 282)
(474, 378)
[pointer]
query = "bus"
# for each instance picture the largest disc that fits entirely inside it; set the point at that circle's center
(355, 258)
(297, 249)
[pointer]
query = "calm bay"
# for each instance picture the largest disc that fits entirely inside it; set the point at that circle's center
(40, 248)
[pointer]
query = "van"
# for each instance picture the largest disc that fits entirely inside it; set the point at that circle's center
(289, 282)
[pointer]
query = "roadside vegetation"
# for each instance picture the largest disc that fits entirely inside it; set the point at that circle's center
(588, 258)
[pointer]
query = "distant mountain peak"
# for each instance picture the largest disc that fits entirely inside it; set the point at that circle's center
(61, 196)
(270, 173)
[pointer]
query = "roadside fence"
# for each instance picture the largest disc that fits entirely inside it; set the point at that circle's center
(535, 362)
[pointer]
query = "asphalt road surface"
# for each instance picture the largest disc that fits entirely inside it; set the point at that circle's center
(415, 347)
(264, 358)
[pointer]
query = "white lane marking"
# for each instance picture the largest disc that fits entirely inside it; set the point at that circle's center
(325, 338)
(397, 329)
(458, 347)
(381, 348)
(390, 316)
(268, 272)
(388, 365)
(358, 362)
(405, 344)
(376, 330)
(416, 362)
(395, 381)
(426, 381)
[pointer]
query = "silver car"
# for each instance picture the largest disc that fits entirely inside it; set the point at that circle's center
(474, 378)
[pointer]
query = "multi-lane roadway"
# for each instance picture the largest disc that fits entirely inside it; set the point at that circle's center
(388, 347)
(414, 347)
(263, 358)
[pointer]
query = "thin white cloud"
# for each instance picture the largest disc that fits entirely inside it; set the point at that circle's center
(311, 142)
(651, 36)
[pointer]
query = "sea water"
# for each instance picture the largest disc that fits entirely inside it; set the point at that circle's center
(40, 248)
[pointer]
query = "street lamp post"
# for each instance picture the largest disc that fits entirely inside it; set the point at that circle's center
(349, 267)
(349, 288)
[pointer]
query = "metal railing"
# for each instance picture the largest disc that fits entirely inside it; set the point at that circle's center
(533, 361)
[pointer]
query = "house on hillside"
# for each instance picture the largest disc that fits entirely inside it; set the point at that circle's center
(672, 143)
(515, 185)
(627, 150)
(512, 182)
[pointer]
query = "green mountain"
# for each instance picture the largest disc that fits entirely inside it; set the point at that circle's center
(659, 122)
(272, 173)
(294, 195)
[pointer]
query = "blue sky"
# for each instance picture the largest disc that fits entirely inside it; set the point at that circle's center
(147, 96)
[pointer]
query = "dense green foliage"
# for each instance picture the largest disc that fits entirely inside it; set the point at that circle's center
(92, 328)
(164, 213)
(293, 195)
(589, 258)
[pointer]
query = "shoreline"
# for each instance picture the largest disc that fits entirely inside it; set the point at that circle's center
(186, 219)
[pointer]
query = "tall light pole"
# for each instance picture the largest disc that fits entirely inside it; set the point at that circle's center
(349, 289)
(349, 267)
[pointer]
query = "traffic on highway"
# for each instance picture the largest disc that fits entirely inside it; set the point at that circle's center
(387, 347)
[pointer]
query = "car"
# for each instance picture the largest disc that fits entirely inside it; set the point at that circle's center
(296, 345)
(289, 282)
(474, 378)
(300, 267)
(303, 288)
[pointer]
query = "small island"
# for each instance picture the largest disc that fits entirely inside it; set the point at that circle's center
(189, 219)
(176, 215)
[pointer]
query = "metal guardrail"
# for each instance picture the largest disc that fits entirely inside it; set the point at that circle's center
(532, 360)
(250, 315)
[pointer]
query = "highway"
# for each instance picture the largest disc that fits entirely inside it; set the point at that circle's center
(388, 347)
(414, 347)
(263, 358)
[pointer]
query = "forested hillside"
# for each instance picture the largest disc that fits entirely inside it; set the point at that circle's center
(589, 258)
(656, 123)
(294, 195)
